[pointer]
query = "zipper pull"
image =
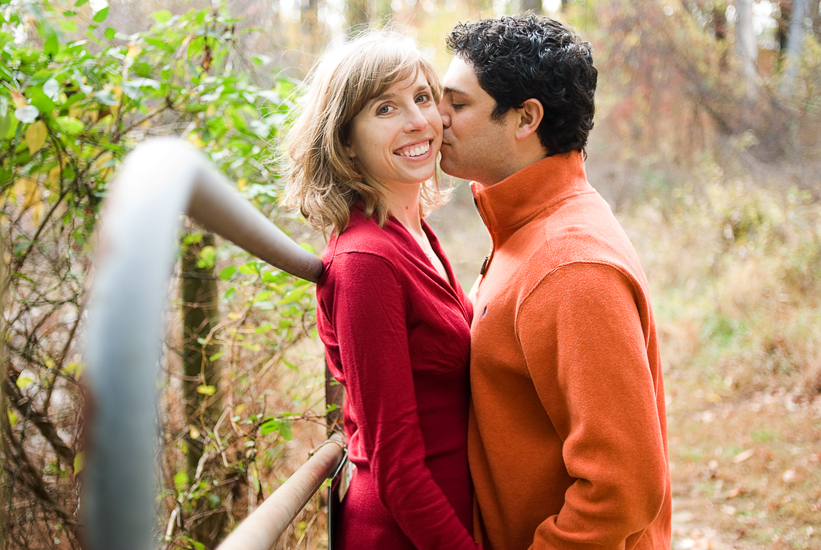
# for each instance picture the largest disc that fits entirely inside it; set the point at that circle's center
(484, 266)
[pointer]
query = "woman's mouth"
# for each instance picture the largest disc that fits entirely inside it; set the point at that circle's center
(414, 150)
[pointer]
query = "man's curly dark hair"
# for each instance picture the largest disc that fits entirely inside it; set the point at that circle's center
(524, 56)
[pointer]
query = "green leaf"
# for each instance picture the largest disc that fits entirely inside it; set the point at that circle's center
(51, 46)
(180, 481)
(206, 257)
(216, 355)
(162, 16)
(5, 117)
(194, 544)
(293, 296)
(269, 426)
(228, 272)
(110, 33)
(13, 418)
(79, 3)
(106, 98)
(261, 59)
(70, 125)
(290, 365)
(286, 431)
(100, 16)
(262, 329)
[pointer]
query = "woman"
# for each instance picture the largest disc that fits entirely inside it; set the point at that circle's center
(394, 320)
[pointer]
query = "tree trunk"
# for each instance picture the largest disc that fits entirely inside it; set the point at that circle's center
(747, 46)
(795, 46)
(200, 314)
(310, 29)
(534, 5)
(815, 17)
(358, 16)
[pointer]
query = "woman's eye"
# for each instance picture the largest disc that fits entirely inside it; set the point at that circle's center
(384, 110)
(423, 98)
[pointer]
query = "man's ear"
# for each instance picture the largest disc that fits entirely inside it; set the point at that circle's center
(530, 116)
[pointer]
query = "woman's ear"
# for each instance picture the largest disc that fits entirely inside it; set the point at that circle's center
(530, 115)
(349, 151)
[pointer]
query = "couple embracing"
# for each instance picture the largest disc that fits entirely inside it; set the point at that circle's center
(531, 415)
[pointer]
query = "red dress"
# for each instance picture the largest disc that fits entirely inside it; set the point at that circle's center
(397, 336)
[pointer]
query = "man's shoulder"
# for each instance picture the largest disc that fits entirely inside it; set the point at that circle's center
(585, 231)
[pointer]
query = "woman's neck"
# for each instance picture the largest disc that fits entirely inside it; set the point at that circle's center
(403, 204)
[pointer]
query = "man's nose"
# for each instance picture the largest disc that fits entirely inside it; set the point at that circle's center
(445, 114)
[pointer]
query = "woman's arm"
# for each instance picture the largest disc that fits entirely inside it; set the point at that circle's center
(369, 318)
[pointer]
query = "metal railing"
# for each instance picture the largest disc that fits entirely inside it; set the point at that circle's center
(161, 179)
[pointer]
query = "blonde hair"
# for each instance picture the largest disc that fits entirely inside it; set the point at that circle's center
(321, 179)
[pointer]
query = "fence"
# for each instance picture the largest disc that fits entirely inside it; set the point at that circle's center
(159, 180)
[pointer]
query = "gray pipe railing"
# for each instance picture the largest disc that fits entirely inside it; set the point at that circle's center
(161, 179)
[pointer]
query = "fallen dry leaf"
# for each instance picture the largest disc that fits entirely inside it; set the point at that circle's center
(741, 457)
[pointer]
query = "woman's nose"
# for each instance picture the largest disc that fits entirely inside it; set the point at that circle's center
(416, 120)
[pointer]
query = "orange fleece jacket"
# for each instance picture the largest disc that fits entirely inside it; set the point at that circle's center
(567, 439)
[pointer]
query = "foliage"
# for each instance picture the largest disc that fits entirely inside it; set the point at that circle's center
(77, 95)
(675, 86)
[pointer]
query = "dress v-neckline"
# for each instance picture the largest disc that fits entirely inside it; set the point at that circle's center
(449, 279)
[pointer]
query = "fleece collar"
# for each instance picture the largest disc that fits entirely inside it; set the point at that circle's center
(511, 203)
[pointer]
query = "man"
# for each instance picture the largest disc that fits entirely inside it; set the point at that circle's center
(567, 437)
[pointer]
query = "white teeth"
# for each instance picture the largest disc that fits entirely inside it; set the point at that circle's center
(416, 151)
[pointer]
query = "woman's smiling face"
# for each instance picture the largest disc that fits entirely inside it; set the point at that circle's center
(395, 139)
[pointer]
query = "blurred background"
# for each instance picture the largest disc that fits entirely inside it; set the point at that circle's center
(707, 145)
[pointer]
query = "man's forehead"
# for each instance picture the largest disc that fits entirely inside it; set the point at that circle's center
(460, 77)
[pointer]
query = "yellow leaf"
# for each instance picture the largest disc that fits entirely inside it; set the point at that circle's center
(37, 212)
(206, 390)
(105, 157)
(78, 463)
(133, 51)
(53, 175)
(211, 110)
(36, 136)
(195, 433)
(24, 381)
(238, 410)
(29, 188)
(194, 139)
(75, 112)
(74, 367)
(242, 184)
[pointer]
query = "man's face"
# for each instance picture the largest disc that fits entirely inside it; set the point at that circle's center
(474, 146)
